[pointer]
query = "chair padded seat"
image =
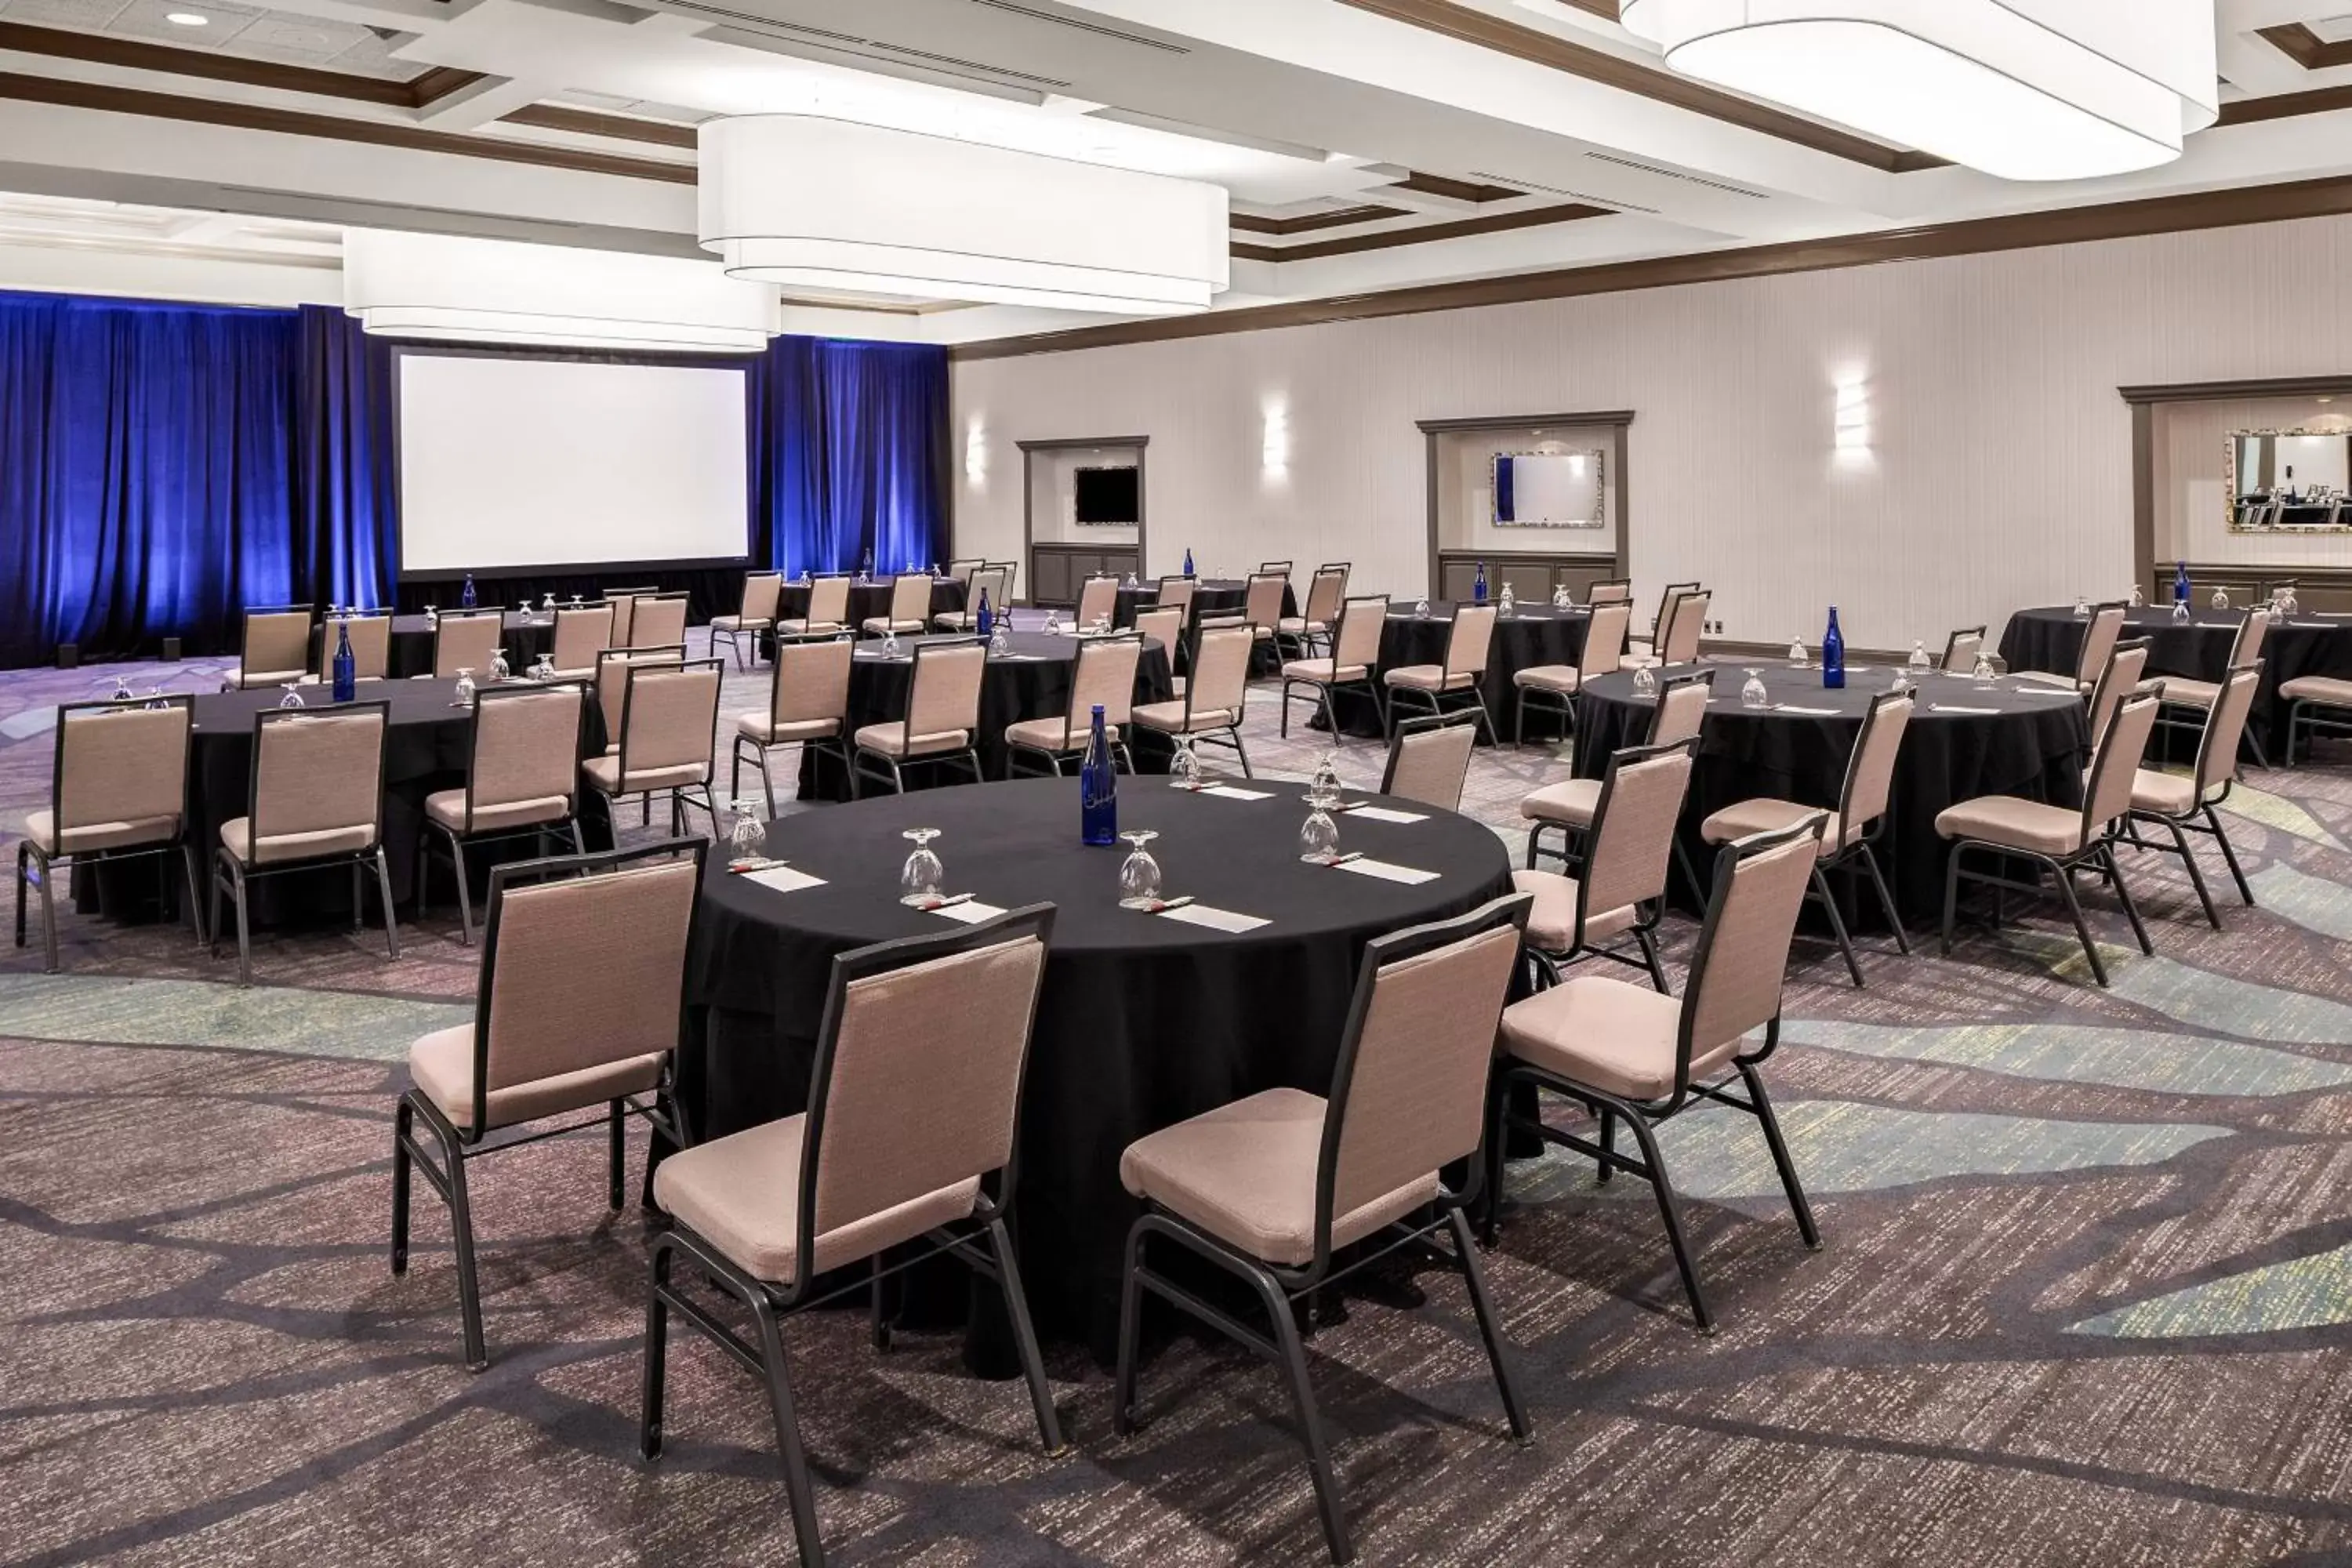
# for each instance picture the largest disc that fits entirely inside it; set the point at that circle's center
(1607, 1033)
(2328, 690)
(2019, 824)
(1764, 814)
(1571, 804)
(741, 622)
(1322, 673)
(441, 1064)
(447, 808)
(605, 773)
(956, 620)
(1551, 922)
(1299, 625)
(890, 740)
(742, 1194)
(41, 827)
(761, 729)
(1245, 1173)
(1046, 735)
(2167, 794)
(251, 679)
(1564, 678)
(2180, 691)
(1169, 718)
(878, 625)
(2048, 677)
(1427, 678)
(237, 832)
(800, 628)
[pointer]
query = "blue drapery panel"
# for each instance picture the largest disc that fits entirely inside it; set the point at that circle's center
(145, 480)
(343, 451)
(852, 454)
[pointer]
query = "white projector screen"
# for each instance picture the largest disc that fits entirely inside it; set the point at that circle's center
(508, 462)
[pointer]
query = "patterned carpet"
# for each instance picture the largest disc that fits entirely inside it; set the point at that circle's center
(2084, 1300)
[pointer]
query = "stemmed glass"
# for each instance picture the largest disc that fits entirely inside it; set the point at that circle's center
(1053, 622)
(1000, 641)
(1919, 661)
(1753, 694)
(747, 841)
(1326, 782)
(1318, 835)
(1138, 874)
(1982, 673)
(463, 697)
(545, 668)
(1646, 684)
(2180, 610)
(2082, 606)
(919, 879)
(1561, 599)
(2138, 599)
(1184, 767)
(890, 643)
(2220, 599)
(1798, 656)
(500, 671)
(2285, 599)
(293, 698)
(547, 602)
(1421, 609)
(578, 601)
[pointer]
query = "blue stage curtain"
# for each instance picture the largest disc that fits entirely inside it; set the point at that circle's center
(145, 472)
(851, 454)
(345, 515)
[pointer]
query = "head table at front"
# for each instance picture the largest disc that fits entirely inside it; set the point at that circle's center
(1144, 1019)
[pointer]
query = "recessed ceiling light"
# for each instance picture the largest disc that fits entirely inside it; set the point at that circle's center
(187, 20)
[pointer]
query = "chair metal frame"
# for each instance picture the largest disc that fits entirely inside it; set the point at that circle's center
(460, 840)
(480, 612)
(1230, 734)
(1303, 641)
(981, 1244)
(1568, 835)
(624, 602)
(1544, 701)
(2310, 717)
(1644, 1116)
(230, 875)
(743, 748)
(1371, 683)
(1646, 918)
(31, 856)
(821, 630)
(1422, 725)
(677, 794)
(244, 636)
(1951, 648)
(1280, 1288)
(1076, 737)
(1659, 624)
(1620, 593)
(968, 756)
(456, 1146)
(2168, 715)
(2202, 817)
(1476, 688)
(736, 635)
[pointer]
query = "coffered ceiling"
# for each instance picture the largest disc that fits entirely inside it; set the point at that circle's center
(1369, 146)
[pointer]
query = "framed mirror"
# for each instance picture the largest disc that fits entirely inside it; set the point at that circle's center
(2288, 482)
(1548, 490)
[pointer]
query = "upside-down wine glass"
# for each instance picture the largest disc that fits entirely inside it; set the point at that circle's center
(747, 841)
(1138, 874)
(463, 697)
(1753, 694)
(1982, 672)
(293, 698)
(1318, 835)
(920, 878)
(1184, 767)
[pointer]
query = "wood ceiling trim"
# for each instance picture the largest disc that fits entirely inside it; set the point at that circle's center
(2328, 197)
(1560, 54)
(2285, 105)
(587, 122)
(1337, 217)
(137, 54)
(1419, 234)
(1455, 190)
(2307, 48)
(295, 122)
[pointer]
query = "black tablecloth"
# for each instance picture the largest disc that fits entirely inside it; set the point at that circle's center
(868, 601)
(1211, 596)
(2032, 747)
(1533, 635)
(1143, 1021)
(1032, 682)
(528, 634)
(2305, 644)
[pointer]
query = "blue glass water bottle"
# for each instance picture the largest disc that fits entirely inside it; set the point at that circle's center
(986, 618)
(1834, 654)
(1098, 789)
(347, 665)
(865, 569)
(1188, 560)
(1479, 587)
(2181, 583)
(466, 599)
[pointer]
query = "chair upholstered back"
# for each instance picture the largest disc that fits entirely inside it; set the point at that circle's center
(1105, 678)
(1870, 771)
(1012, 570)
(526, 746)
(945, 694)
(466, 640)
(1665, 609)
(2247, 646)
(1261, 605)
(623, 605)
(812, 681)
(2108, 794)
(121, 763)
(1686, 618)
(669, 722)
(2217, 751)
(2121, 674)
(277, 645)
(1742, 956)
(1356, 644)
(1428, 761)
(1611, 591)
(910, 596)
(1466, 643)
(1176, 594)
(1163, 626)
(962, 568)
(1408, 1097)
(579, 635)
(318, 782)
(1961, 649)
(1604, 639)
(2099, 640)
(829, 599)
(996, 582)
(1681, 707)
(370, 645)
(1634, 828)
(1097, 598)
(1220, 678)
(760, 592)
(1325, 592)
(579, 971)
(658, 618)
(613, 666)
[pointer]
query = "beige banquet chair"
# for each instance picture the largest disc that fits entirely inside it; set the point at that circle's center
(370, 636)
(623, 605)
(2098, 641)
(1261, 609)
(522, 781)
(1326, 591)
(1353, 664)
(961, 567)
(657, 619)
(911, 606)
(905, 1155)
(276, 649)
(1440, 685)
(1621, 887)
(829, 609)
(1176, 594)
(584, 969)
(942, 720)
(1165, 627)
(1552, 687)
(2184, 803)
(315, 799)
(613, 665)
(1678, 714)
(993, 583)
(669, 727)
(1215, 694)
(757, 613)
(466, 640)
(1649, 646)
(2189, 704)
(1609, 590)
(2126, 668)
(1429, 759)
(118, 789)
(1104, 677)
(581, 633)
(1677, 639)
(808, 706)
(1846, 835)
(2059, 838)
(1276, 1188)
(1960, 650)
(1635, 1057)
(1098, 601)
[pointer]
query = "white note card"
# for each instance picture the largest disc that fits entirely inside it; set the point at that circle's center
(970, 912)
(1382, 813)
(1954, 708)
(1234, 792)
(1215, 919)
(1388, 873)
(783, 878)
(1806, 712)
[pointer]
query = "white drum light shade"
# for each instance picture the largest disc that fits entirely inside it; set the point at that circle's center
(445, 288)
(809, 203)
(2024, 89)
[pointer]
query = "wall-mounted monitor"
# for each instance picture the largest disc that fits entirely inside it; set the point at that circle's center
(1109, 496)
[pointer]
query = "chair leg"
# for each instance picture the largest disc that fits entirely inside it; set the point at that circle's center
(797, 1486)
(465, 892)
(1130, 1315)
(1690, 875)
(390, 920)
(1885, 899)
(1024, 1337)
(213, 922)
(1670, 1210)
(461, 1232)
(618, 1165)
(1649, 944)
(649, 1419)
(192, 863)
(1284, 724)
(1310, 1421)
(403, 1122)
(2075, 909)
(2195, 877)
(1243, 753)
(1770, 1122)
(1951, 895)
(1498, 1131)
(1608, 1143)
(23, 868)
(1837, 924)
(2214, 820)
(1490, 1329)
(2131, 906)
(244, 934)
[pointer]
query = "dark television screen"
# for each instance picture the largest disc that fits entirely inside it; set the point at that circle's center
(1108, 495)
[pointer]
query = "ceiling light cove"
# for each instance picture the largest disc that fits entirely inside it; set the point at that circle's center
(2022, 89)
(810, 203)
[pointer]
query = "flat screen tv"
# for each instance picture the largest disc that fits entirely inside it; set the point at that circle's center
(1108, 496)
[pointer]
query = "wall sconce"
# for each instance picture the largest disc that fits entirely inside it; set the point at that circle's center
(1274, 452)
(1850, 423)
(975, 454)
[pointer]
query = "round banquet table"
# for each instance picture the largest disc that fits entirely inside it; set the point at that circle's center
(1531, 635)
(425, 741)
(1211, 596)
(528, 634)
(1031, 681)
(2031, 745)
(868, 601)
(1143, 1020)
(2051, 639)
